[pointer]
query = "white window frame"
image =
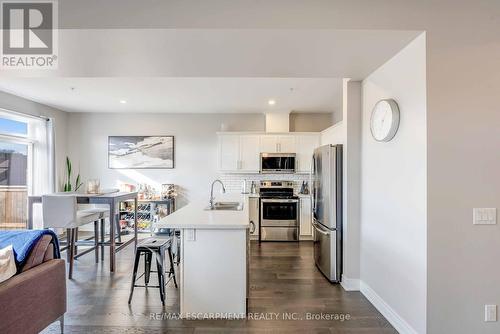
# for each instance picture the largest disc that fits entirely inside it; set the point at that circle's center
(23, 140)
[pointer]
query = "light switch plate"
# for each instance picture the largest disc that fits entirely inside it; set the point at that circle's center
(490, 313)
(485, 216)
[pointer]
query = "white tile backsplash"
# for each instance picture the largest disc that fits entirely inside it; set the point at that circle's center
(234, 182)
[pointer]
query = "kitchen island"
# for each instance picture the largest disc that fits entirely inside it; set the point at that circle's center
(213, 267)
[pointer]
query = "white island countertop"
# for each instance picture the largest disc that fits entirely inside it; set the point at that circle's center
(195, 216)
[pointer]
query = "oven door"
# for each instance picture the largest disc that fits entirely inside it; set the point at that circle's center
(279, 212)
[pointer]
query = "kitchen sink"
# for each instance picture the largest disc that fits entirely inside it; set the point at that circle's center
(228, 206)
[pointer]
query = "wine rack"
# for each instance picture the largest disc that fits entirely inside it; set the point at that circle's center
(148, 212)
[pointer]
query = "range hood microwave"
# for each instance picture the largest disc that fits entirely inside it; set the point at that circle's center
(283, 163)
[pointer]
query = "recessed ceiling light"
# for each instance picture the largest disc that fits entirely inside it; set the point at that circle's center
(271, 102)
(123, 101)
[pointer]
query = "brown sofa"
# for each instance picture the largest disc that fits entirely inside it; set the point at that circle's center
(36, 296)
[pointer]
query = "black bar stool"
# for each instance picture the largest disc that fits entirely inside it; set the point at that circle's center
(147, 247)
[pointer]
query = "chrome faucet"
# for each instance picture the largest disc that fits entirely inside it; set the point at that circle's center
(211, 202)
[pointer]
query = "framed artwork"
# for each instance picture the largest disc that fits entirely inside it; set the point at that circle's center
(141, 152)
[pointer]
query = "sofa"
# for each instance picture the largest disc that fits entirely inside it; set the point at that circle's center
(35, 296)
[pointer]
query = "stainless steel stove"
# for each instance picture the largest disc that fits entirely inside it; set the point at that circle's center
(279, 211)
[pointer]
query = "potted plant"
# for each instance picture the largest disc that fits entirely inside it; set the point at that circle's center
(68, 187)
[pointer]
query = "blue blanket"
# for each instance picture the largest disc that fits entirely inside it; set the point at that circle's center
(23, 241)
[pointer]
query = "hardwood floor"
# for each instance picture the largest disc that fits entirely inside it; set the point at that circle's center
(283, 282)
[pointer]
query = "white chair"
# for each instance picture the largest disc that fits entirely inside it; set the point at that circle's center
(61, 211)
(103, 211)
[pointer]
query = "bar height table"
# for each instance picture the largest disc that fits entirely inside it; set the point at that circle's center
(112, 199)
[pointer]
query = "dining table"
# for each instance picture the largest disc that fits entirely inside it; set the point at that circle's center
(112, 199)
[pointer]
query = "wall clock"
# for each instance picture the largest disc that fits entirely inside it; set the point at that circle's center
(384, 121)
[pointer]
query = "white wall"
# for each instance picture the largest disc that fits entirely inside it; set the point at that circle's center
(310, 122)
(278, 122)
(352, 160)
(15, 103)
(348, 133)
(394, 193)
(195, 146)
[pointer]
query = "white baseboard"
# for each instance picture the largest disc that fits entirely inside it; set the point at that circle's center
(388, 312)
(350, 284)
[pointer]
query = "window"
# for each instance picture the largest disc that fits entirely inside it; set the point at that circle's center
(12, 127)
(14, 171)
(13, 164)
(24, 144)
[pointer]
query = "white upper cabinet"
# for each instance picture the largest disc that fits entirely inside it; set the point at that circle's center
(286, 144)
(305, 148)
(249, 153)
(277, 144)
(229, 152)
(239, 152)
(269, 144)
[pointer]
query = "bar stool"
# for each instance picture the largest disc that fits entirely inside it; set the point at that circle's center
(148, 247)
(176, 240)
(61, 211)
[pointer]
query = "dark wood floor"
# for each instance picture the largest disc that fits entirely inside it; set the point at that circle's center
(283, 281)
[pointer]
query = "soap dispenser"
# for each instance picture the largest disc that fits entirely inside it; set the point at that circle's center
(253, 188)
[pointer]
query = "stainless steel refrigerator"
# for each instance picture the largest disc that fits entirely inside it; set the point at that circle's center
(326, 188)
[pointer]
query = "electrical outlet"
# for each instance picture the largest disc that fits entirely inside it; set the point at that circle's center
(490, 313)
(485, 216)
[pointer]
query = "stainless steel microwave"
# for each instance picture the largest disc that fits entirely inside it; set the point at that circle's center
(277, 163)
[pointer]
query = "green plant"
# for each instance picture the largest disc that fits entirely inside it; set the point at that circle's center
(67, 185)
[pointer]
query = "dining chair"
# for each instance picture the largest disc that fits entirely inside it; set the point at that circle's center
(61, 211)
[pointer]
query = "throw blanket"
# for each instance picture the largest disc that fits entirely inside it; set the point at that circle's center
(23, 242)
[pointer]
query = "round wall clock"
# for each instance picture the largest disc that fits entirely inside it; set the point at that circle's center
(384, 122)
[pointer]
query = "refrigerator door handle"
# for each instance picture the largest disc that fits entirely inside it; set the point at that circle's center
(252, 224)
(320, 229)
(312, 182)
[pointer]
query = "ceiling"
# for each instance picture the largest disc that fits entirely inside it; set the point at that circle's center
(181, 95)
(205, 70)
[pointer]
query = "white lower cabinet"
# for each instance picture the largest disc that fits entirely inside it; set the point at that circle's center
(253, 216)
(305, 218)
